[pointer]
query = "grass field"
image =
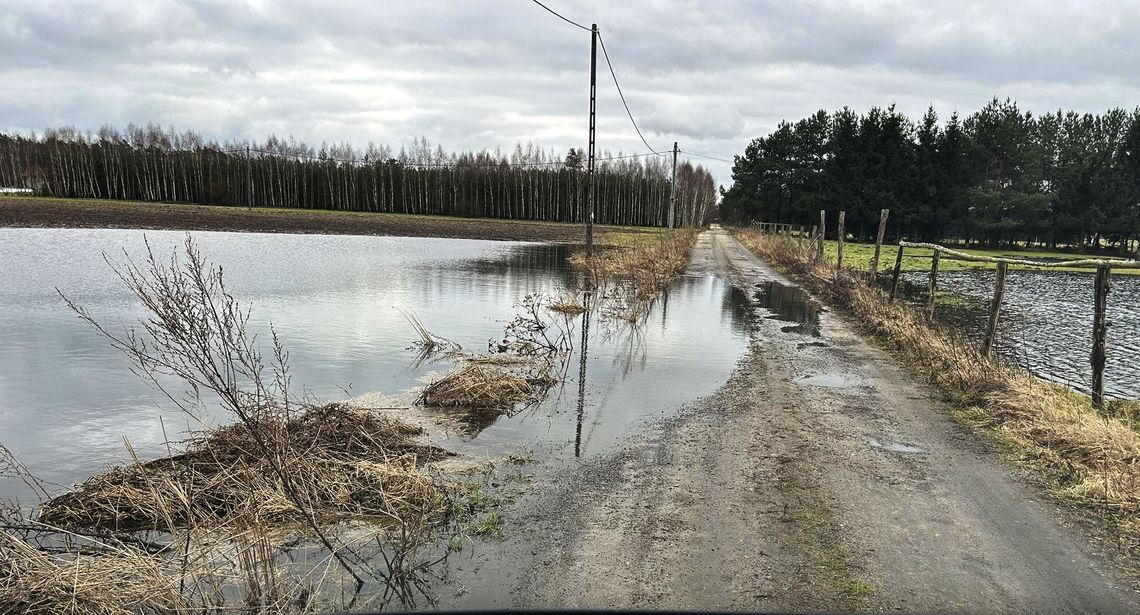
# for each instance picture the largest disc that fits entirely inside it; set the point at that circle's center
(858, 256)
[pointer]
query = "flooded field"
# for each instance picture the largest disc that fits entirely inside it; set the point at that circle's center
(1046, 323)
(67, 399)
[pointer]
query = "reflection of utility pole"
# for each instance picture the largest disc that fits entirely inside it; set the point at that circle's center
(590, 160)
(582, 376)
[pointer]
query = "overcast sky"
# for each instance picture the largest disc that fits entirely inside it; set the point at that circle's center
(485, 73)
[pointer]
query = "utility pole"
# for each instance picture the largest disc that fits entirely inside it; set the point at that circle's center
(248, 179)
(673, 190)
(590, 160)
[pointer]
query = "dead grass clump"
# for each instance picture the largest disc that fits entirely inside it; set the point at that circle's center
(566, 304)
(111, 581)
(1089, 457)
(648, 269)
(478, 387)
(344, 462)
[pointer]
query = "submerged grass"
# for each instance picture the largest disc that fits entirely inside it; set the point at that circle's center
(1087, 457)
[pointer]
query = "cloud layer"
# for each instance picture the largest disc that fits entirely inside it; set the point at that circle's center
(710, 75)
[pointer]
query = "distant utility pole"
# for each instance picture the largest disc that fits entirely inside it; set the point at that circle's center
(673, 190)
(248, 179)
(590, 160)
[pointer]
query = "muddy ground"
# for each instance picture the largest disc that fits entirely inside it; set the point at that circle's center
(819, 477)
(89, 213)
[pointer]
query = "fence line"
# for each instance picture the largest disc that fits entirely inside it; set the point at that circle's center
(1103, 267)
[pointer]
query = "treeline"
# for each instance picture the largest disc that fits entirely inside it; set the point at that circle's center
(148, 163)
(998, 176)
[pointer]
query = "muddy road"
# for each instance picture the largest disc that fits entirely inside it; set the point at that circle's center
(820, 476)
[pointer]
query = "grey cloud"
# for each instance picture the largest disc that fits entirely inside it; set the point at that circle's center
(711, 75)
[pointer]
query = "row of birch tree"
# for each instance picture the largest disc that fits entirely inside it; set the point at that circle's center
(148, 163)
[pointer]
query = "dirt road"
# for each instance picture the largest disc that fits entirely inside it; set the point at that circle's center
(820, 476)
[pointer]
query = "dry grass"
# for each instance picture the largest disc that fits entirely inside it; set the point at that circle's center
(345, 462)
(1088, 457)
(649, 269)
(477, 386)
(566, 303)
(113, 581)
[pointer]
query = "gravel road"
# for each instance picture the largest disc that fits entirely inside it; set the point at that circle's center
(821, 476)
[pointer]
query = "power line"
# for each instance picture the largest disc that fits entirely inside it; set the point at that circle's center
(709, 157)
(553, 12)
(606, 55)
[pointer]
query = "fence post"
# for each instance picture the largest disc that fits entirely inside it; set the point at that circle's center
(995, 309)
(895, 275)
(839, 246)
(822, 229)
(933, 285)
(883, 213)
(1100, 335)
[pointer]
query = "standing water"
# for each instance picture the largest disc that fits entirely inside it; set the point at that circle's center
(1046, 323)
(68, 400)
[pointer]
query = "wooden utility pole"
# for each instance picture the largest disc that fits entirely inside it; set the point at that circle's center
(590, 160)
(1100, 335)
(673, 190)
(883, 213)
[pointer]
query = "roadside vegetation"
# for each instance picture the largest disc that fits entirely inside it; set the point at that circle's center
(642, 270)
(1086, 457)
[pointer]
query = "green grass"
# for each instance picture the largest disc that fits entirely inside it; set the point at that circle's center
(858, 256)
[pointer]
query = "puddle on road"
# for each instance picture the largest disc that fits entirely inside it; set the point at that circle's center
(895, 447)
(790, 304)
(829, 381)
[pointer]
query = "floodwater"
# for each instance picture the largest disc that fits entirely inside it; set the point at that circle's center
(68, 399)
(790, 304)
(1046, 323)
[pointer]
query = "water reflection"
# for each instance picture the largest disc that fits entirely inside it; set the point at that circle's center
(790, 304)
(69, 399)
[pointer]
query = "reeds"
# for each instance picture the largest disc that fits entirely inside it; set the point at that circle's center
(104, 579)
(1089, 457)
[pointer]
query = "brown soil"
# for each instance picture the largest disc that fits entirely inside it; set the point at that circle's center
(89, 213)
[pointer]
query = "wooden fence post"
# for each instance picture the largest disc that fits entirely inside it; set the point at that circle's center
(995, 309)
(897, 271)
(822, 229)
(1100, 335)
(839, 246)
(883, 213)
(930, 299)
